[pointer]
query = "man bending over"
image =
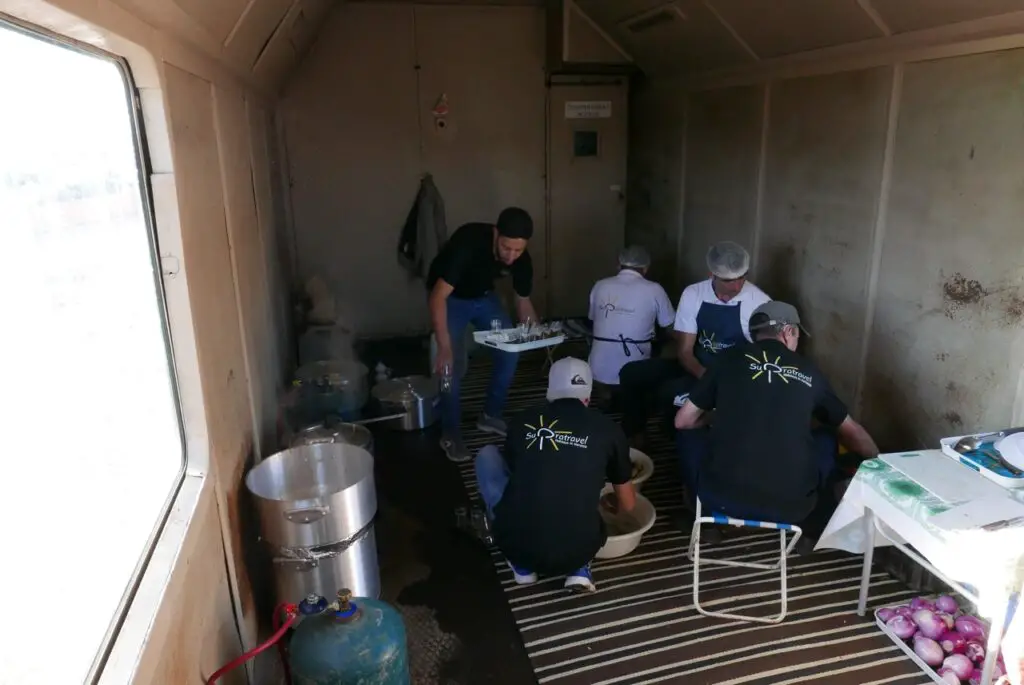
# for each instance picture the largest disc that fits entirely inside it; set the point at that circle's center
(461, 283)
(543, 493)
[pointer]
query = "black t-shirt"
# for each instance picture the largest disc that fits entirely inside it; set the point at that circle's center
(560, 455)
(762, 452)
(467, 263)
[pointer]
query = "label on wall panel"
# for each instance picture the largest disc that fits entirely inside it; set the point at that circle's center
(588, 109)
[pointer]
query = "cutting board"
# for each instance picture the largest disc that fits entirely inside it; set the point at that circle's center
(948, 480)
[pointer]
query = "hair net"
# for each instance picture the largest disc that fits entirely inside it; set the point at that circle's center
(728, 260)
(635, 257)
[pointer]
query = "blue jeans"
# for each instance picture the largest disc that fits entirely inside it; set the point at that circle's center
(491, 476)
(479, 313)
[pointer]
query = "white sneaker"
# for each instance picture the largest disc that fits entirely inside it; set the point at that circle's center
(522, 576)
(580, 582)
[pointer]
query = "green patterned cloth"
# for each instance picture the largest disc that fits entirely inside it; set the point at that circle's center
(909, 497)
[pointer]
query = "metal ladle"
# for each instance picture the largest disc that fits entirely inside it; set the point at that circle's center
(973, 443)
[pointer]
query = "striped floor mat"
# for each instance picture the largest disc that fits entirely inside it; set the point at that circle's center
(641, 627)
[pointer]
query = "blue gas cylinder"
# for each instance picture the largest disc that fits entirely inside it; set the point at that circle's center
(355, 641)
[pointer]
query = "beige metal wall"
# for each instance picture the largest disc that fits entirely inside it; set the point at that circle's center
(359, 131)
(208, 121)
(885, 202)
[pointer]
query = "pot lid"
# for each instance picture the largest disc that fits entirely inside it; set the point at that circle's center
(348, 433)
(406, 389)
(353, 434)
(313, 435)
(333, 373)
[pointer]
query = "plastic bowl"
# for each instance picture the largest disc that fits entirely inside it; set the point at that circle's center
(640, 520)
(646, 467)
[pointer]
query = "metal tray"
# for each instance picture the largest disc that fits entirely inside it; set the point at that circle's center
(498, 341)
(908, 650)
(984, 465)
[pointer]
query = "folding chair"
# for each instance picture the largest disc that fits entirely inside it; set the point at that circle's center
(780, 564)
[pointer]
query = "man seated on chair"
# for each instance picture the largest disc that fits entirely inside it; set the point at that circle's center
(543, 493)
(626, 310)
(759, 459)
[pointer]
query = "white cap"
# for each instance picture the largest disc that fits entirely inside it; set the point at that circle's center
(728, 260)
(570, 378)
(635, 257)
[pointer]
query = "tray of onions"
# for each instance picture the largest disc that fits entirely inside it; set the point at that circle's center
(946, 642)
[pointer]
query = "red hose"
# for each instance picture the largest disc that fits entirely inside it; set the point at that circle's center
(235, 663)
(275, 620)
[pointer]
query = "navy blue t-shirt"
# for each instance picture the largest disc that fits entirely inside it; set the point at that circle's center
(559, 455)
(762, 452)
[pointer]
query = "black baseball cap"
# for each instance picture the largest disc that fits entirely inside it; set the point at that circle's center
(776, 313)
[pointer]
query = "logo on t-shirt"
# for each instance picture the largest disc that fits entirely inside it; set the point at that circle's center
(609, 307)
(707, 341)
(763, 368)
(541, 435)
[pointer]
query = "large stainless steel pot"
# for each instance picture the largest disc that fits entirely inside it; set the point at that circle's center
(321, 570)
(415, 398)
(314, 495)
(348, 433)
(337, 386)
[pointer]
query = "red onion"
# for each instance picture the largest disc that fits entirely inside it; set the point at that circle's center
(929, 624)
(885, 614)
(928, 649)
(952, 642)
(901, 626)
(948, 676)
(922, 603)
(947, 619)
(904, 610)
(947, 604)
(960, 665)
(975, 651)
(975, 678)
(970, 627)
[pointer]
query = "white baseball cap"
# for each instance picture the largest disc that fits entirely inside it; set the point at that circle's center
(570, 377)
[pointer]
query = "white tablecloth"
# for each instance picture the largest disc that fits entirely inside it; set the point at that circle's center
(989, 562)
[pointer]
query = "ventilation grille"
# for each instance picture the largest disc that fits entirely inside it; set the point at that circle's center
(659, 16)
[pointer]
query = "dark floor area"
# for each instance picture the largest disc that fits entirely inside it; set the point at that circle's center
(442, 579)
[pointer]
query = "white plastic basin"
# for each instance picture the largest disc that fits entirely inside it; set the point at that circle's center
(637, 522)
(646, 467)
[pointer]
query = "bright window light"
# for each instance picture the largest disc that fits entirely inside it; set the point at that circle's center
(92, 439)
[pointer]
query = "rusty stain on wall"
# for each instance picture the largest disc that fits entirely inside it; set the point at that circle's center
(953, 418)
(960, 294)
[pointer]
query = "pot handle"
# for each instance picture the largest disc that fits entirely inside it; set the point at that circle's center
(308, 515)
(296, 564)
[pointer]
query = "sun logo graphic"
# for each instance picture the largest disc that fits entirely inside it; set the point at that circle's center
(707, 342)
(769, 369)
(545, 434)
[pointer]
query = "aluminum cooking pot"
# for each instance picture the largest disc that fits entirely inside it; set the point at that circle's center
(337, 386)
(314, 495)
(415, 399)
(348, 433)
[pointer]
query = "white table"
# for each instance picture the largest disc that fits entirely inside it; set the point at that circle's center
(897, 500)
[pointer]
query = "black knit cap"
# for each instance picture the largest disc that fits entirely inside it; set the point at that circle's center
(514, 222)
